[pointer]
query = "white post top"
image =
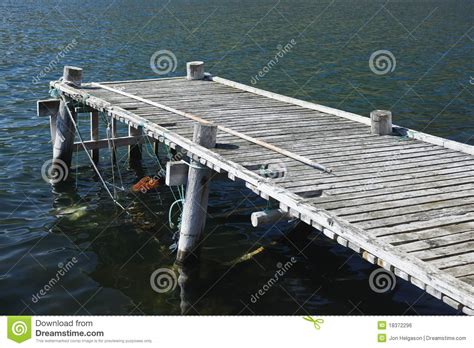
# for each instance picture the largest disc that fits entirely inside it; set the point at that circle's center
(195, 70)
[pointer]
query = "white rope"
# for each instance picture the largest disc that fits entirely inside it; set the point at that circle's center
(113, 153)
(87, 153)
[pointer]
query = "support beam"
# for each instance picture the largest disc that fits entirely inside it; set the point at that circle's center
(268, 217)
(104, 143)
(134, 151)
(65, 131)
(197, 194)
(49, 107)
(95, 134)
(381, 122)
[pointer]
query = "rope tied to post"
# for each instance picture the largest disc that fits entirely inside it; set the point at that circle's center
(78, 132)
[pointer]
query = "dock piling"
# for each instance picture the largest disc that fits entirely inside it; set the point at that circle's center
(381, 122)
(65, 131)
(197, 194)
(134, 151)
(95, 134)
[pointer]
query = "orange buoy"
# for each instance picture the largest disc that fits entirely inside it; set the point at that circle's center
(145, 184)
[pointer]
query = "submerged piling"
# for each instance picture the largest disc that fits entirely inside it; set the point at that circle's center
(65, 131)
(197, 194)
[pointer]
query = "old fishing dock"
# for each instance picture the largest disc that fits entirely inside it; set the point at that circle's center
(402, 199)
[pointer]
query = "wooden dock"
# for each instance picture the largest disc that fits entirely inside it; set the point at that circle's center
(403, 201)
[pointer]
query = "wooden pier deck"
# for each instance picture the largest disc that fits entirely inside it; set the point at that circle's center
(403, 201)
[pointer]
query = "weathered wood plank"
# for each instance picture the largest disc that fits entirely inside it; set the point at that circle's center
(452, 239)
(452, 261)
(440, 252)
(319, 133)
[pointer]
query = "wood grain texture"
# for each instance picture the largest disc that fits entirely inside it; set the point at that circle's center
(403, 201)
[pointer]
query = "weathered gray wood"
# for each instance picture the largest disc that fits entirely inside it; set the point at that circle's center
(195, 70)
(435, 242)
(119, 141)
(461, 271)
(453, 261)
(176, 173)
(65, 131)
(428, 233)
(358, 118)
(381, 122)
(197, 193)
(94, 130)
(340, 145)
(443, 251)
(47, 107)
(72, 75)
(268, 217)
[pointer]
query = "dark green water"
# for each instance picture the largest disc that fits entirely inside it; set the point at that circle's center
(431, 89)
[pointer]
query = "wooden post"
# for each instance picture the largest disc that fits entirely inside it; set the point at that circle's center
(197, 194)
(95, 133)
(50, 108)
(268, 217)
(195, 70)
(65, 131)
(381, 122)
(113, 130)
(134, 151)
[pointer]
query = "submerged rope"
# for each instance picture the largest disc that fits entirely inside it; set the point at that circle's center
(88, 154)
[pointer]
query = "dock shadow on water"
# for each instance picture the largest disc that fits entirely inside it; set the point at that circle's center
(83, 263)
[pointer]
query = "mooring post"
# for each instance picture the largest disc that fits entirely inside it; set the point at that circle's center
(94, 115)
(195, 70)
(381, 122)
(134, 151)
(65, 131)
(197, 194)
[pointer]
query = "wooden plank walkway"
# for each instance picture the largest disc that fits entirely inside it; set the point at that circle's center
(403, 201)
